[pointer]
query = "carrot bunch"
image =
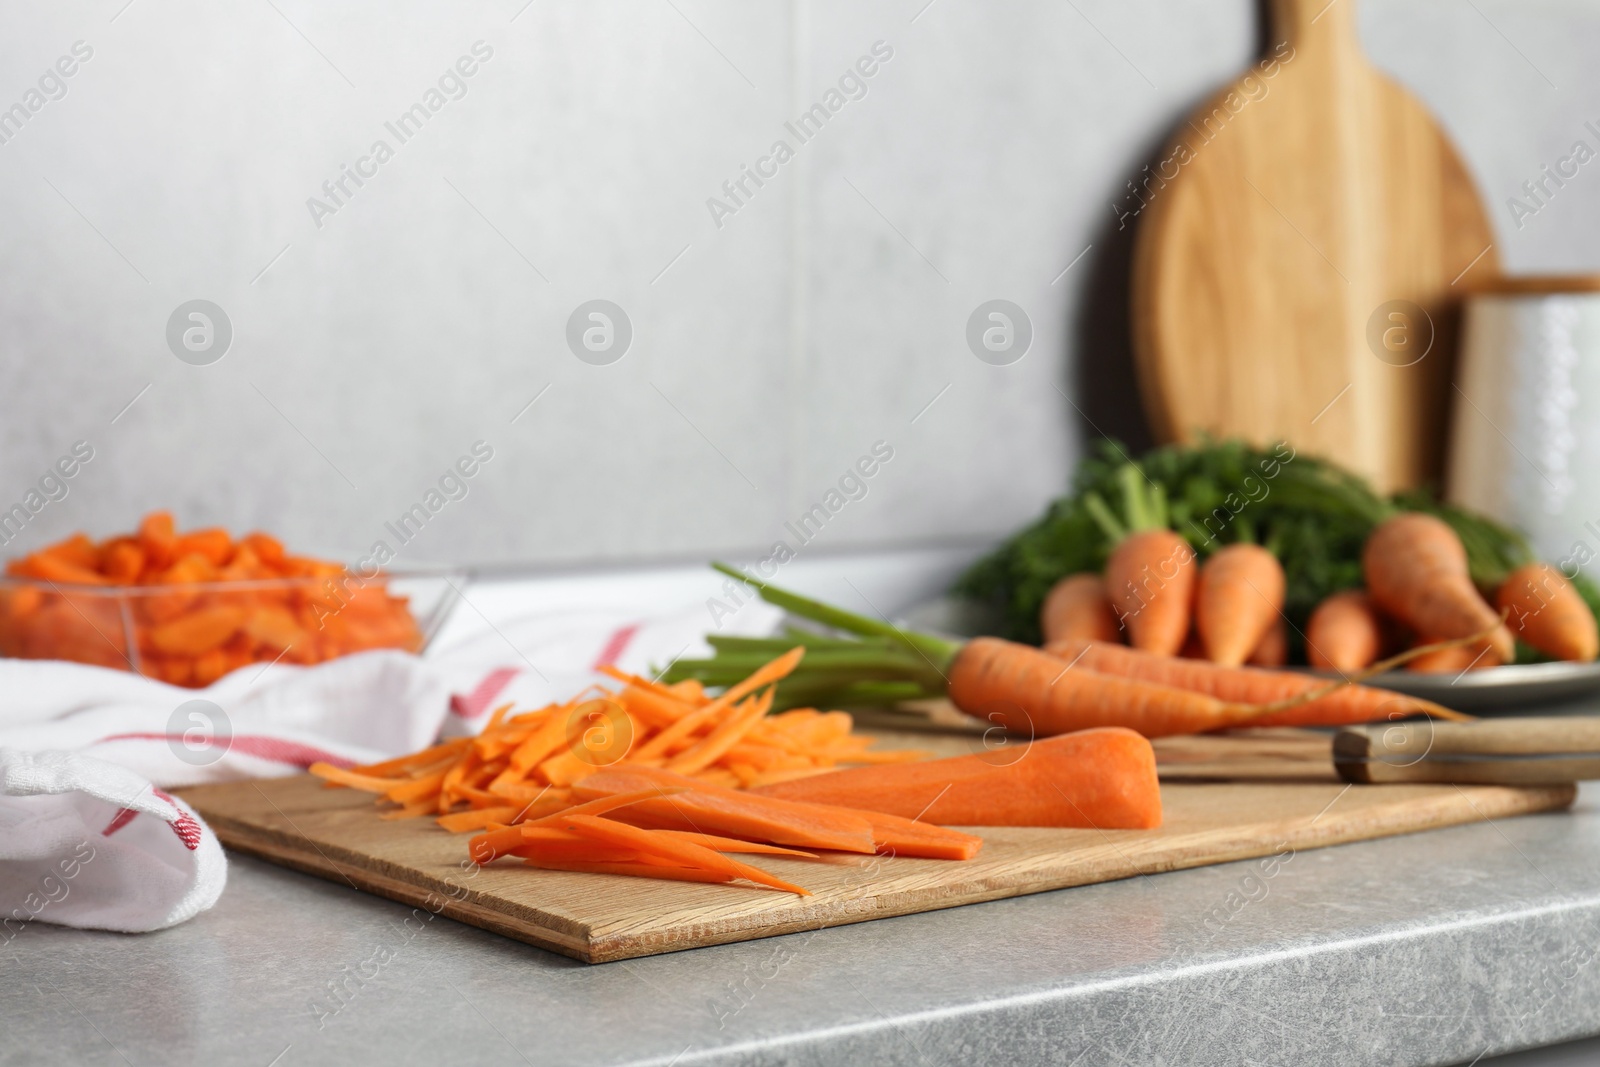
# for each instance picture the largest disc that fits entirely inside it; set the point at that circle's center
(651, 780)
(1155, 590)
(1419, 589)
(1043, 692)
(197, 605)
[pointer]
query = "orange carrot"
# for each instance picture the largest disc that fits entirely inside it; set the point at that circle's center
(706, 808)
(199, 631)
(339, 776)
(895, 835)
(683, 852)
(1546, 611)
(1273, 649)
(1238, 599)
(1150, 578)
(1416, 571)
(1245, 686)
(733, 844)
(1345, 633)
(1078, 607)
(1449, 660)
(1035, 693)
(635, 870)
(478, 819)
(1103, 778)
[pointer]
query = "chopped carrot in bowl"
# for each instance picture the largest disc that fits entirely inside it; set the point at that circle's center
(190, 607)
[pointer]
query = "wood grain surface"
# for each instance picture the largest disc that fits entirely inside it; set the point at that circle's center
(1289, 212)
(337, 834)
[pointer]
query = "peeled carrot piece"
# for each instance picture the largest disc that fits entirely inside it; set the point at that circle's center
(733, 844)
(339, 776)
(123, 562)
(415, 759)
(55, 569)
(636, 870)
(1103, 778)
(157, 537)
(199, 631)
(685, 853)
(213, 543)
(707, 808)
(711, 747)
(477, 819)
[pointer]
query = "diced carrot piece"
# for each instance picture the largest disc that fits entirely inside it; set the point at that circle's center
(213, 543)
(123, 561)
(198, 632)
(157, 537)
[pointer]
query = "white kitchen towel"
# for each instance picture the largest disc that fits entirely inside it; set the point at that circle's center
(257, 722)
(86, 843)
(535, 659)
(86, 840)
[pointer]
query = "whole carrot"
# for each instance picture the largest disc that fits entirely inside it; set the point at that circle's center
(1249, 686)
(1029, 690)
(1545, 610)
(1273, 651)
(1102, 778)
(1447, 660)
(1150, 578)
(1078, 607)
(1345, 633)
(1238, 600)
(1416, 571)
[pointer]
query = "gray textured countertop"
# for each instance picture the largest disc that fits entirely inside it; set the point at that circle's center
(1433, 948)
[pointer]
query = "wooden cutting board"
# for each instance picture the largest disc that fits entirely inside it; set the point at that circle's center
(1288, 214)
(337, 834)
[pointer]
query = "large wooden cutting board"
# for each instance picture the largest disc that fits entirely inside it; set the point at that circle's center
(1288, 214)
(336, 833)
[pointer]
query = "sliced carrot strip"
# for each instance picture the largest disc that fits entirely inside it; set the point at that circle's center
(733, 844)
(426, 756)
(689, 854)
(477, 819)
(339, 776)
(725, 736)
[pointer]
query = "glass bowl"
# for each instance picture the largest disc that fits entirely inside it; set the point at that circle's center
(193, 633)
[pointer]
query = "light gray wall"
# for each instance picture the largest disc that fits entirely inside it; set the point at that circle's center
(769, 353)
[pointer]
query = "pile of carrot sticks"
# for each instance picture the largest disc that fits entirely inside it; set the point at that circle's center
(650, 779)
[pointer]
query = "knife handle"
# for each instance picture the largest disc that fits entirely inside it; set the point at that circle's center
(1482, 752)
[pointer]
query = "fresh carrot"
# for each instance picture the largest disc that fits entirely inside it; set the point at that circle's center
(1035, 692)
(705, 808)
(679, 850)
(1150, 578)
(1078, 607)
(1448, 660)
(225, 604)
(1545, 610)
(1248, 686)
(1345, 633)
(1273, 649)
(733, 844)
(1416, 570)
(1032, 692)
(1102, 778)
(1150, 574)
(1237, 601)
(895, 835)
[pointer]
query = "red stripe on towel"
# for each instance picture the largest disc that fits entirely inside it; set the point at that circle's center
(615, 645)
(476, 702)
(275, 749)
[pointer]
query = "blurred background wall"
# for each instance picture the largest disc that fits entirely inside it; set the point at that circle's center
(774, 339)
